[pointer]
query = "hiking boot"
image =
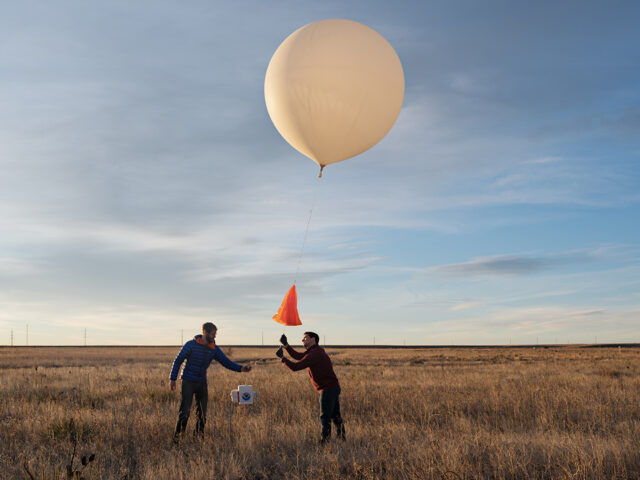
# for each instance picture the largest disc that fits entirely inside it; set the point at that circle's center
(340, 431)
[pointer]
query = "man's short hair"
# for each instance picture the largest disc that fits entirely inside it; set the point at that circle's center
(313, 335)
(207, 327)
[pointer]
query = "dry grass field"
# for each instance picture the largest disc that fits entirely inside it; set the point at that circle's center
(565, 412)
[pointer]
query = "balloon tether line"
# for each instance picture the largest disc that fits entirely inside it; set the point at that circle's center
(306, 233)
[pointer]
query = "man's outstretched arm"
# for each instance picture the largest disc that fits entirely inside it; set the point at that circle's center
(308, 360)
(290, 350)
(227, 363)
(294, 354)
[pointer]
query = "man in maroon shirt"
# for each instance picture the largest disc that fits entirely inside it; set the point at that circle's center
(322, 377)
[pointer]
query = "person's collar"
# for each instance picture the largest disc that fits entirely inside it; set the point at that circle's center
(200, 341)
(312, 347)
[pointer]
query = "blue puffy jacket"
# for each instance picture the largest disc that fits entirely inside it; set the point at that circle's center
(199, 355)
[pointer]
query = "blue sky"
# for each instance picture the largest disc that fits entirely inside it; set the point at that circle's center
(144, 189)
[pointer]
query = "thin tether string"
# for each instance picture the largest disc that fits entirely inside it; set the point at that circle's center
(304, 242)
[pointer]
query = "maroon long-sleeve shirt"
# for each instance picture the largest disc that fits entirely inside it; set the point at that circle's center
(319, 364)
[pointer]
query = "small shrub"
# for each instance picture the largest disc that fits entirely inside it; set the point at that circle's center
(68, 429)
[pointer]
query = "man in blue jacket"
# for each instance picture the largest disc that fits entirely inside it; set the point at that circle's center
(199, 353)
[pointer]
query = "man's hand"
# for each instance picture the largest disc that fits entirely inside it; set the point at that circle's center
(279, 353)
(283, 340)
(246, 368)
(172, 384)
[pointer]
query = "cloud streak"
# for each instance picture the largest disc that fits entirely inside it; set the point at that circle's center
(510, 265)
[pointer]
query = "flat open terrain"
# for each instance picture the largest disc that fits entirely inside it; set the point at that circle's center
(562, 412)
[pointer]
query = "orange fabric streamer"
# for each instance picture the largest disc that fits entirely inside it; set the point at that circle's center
(288, 311)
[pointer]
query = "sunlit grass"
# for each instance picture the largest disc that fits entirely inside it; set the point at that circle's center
(441, 413)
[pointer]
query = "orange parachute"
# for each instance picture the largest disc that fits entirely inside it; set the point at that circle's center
(288, 311)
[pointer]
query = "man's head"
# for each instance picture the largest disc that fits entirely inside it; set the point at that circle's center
(209, 331)
(309, 339)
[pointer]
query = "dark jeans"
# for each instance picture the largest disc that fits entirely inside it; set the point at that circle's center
(189, 389)
(330, 408)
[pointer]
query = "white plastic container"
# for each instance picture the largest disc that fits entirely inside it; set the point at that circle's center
(244, 395)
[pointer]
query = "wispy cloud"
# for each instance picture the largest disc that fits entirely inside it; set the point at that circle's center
(10, 267)
(543, 160)
(512, 264)
(536, 324)
(465, 306)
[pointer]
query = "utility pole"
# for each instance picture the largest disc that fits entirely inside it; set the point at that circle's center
(374, 340)
(85, 337)
(12, 337)
(324, 340)
(27, 334)
(182, 336)
(263, 338)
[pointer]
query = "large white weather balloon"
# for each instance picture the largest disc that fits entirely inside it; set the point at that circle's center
(333, 89)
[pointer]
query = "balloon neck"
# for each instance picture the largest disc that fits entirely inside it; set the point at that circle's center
(320, 174)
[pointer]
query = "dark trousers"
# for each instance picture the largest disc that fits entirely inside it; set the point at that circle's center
(330, 408)
(189, 389)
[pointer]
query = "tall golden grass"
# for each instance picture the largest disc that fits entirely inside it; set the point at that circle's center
(410, 414)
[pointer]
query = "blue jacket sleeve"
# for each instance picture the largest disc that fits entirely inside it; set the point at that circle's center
(184, 353)
(222, 359)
